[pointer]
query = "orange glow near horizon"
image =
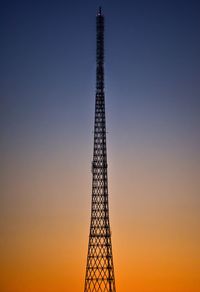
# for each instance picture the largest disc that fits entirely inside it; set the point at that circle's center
(154, 223)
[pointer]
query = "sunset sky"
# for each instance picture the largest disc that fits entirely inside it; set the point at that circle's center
(47, 91)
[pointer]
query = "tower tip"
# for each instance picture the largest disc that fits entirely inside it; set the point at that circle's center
(99, 11)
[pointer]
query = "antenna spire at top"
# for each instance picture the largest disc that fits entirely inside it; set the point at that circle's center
(100, 11)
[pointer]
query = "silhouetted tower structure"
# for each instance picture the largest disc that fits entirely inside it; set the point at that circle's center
(100, 269)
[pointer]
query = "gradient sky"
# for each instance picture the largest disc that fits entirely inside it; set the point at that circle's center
(47, 89)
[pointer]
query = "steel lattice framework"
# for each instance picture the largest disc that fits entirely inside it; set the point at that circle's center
(100, 269)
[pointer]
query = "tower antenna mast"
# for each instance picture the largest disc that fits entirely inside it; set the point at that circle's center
(100, 268)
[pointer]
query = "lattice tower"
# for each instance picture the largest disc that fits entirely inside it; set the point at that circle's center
(100, 269)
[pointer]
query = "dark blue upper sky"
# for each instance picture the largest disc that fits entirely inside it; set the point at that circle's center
(47, 71)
